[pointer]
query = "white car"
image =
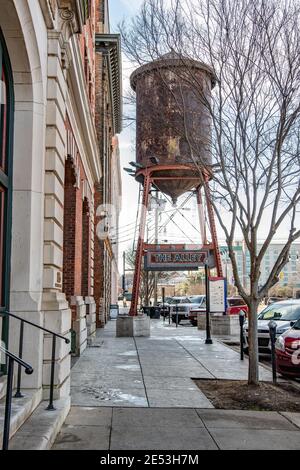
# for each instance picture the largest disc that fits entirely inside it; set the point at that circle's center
(181, 306)
(284, 313)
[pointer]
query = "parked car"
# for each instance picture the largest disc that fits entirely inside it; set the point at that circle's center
(272, 300)
(288, 352)
(201, 308)
(235, 305)
(285, 313)
(183, 305)
(164, 308)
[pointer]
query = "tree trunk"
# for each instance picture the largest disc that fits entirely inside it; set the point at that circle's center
(253, 373)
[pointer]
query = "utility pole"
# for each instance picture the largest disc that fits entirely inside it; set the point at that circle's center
(147, 276)
(156, 243)
(124, 273)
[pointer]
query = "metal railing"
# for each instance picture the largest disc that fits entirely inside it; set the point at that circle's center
(21, 363)
(9, 389)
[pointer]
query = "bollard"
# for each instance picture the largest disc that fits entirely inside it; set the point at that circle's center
(242, 321)
(272, 330)
(207, 294)
(176, 314)
(163, 303)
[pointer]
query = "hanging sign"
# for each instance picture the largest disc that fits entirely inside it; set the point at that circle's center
(217, 294)
(174, 260)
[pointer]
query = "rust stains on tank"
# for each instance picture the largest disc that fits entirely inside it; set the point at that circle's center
(173, 120)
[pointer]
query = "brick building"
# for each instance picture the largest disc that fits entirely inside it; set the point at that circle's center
(108, 191)
(60, 107)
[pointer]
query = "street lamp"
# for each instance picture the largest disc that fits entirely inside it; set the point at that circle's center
(208, 334)
(136, 165)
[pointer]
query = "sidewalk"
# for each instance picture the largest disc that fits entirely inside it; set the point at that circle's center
(139, 394)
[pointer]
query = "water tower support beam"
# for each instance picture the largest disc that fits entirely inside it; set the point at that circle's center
(213, 229)
(201, 216)
(140, 247)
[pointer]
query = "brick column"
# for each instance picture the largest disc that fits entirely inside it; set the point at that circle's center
(98, 263)
(87, 274)
(86, 250)
(72, 257)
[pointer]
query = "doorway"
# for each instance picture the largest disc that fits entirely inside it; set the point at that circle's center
(6, 139)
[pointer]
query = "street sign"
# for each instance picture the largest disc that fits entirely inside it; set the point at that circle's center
(217, 294)
(175, 260)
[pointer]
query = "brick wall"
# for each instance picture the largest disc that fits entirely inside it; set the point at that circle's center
(98, 259)
(104, 128)
(100, 15)
(69, 229)
(86, 250)
(86, 42)
(73, 234)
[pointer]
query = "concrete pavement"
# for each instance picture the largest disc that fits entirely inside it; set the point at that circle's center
(139, 394)
(176, 429)
(155, 371)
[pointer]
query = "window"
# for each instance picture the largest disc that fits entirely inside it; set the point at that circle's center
(2, 213)
(6, 134)
(282, 312)
(235, 302)
(86, 7)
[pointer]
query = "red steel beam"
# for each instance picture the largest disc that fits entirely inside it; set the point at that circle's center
(140, 248)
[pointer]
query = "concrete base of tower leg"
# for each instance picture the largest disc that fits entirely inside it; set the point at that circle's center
(133, 326)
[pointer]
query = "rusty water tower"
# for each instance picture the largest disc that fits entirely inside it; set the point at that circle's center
(173, 143)
(173, 122)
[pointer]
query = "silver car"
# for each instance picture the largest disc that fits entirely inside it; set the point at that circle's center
(284, 313)
(181, 306)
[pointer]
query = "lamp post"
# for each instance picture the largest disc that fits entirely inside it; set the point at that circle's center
(208, 335)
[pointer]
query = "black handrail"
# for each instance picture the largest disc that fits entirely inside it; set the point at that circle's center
(37, 326)
(27, 367)
(8, 401)
(18, 393)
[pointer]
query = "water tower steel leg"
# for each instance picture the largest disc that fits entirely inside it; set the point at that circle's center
(213, 230)
(201, 216)
(140, 247)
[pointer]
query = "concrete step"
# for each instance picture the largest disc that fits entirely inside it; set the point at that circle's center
(22, 408)
(40, 430)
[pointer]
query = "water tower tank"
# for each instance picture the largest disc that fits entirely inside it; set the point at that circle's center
(173, 121)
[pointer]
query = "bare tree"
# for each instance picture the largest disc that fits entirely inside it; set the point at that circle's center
(253, 48)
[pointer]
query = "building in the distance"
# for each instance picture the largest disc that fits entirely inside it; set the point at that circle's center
(290, 275)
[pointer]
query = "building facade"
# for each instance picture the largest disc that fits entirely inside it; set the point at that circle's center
(55, 160)
(108, 191)
(290, 275)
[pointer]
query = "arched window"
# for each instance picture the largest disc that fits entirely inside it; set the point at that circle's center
(6, 136)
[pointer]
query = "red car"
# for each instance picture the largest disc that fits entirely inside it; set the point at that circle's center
(288, 352)
(234, 306)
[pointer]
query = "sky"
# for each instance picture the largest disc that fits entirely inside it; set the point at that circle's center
(124, 10)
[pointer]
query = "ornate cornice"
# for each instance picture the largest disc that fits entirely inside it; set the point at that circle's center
(110, 46)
